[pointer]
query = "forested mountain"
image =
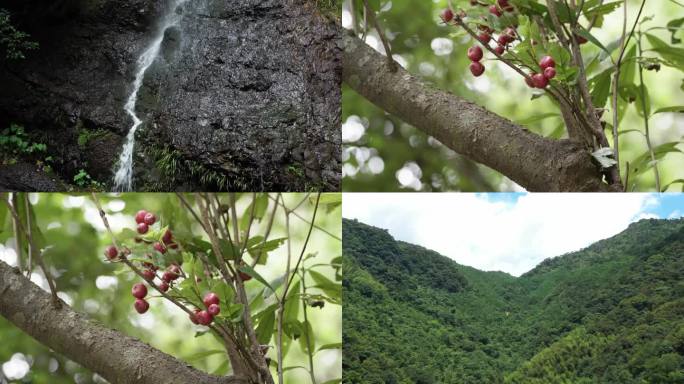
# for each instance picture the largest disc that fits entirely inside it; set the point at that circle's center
(610, 313)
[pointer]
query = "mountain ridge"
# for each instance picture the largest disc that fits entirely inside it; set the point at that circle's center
(492, 327)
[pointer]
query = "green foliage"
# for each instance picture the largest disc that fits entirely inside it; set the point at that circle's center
(610, 313)
(15, 42)
(13, 140)
(83, 180)
(74, 244)
(175, 168)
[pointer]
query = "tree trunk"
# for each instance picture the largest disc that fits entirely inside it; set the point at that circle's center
(535, 162)
(113, 355)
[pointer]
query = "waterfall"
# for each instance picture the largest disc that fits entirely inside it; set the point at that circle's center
(123, 179)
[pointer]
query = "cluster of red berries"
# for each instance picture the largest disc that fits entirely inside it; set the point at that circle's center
(139, 291)
(505, 38)
(144, 219)
(548, 72)
(206, 316)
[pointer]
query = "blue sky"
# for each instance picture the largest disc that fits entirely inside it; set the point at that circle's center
(510, 232)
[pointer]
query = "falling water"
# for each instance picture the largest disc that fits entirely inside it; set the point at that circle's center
(123, 179)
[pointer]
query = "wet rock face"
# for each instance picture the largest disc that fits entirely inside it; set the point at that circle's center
(247, 88)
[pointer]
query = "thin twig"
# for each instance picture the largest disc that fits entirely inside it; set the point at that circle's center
(306, 328)
(268, 232)
(306, 242)
(297, 215)
(17, 235)
(616, 79)
(646, 127)
(390, 61)
(38, 252)
(281, 302)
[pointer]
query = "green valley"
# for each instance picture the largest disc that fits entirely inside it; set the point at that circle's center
(612, 312)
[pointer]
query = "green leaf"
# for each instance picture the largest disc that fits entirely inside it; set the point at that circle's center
(265, 328)
(222, 369)
(292, 304)
(673, 26)
(330, 346)
(331, 288)
(584, 33)
(599, 86)
(260, 249)
(677, 109)
(250, 271)
(307, 341)
(678, 181)
(643, 163)
(673, 55)
(628, 67)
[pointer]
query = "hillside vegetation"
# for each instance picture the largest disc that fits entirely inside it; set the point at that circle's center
(610, 313)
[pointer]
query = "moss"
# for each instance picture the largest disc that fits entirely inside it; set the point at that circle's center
(176, 169)
(330, 8)
(86, 135)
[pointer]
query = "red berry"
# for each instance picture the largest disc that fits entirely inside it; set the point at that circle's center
(111, 252)
(159, 247)
(503, 39)
(210, 298)
(484, 37)
(473, 2)
(140, 216)
(494, 10)
(476, 68)
(546, 62)
(139, 290)
(175, 271)
(447, 15)
(499, 49)
(164, 286)
(475, 53)
(193, 317)
(511, 33)
(150, 218)
(540, 81)
(550, 73)
(168, 277)
(505, 5)
(143, 228)
(141, 305)
(204, 317)
(148, 274)
(245, 277)
(173, 246)
(580, 39)
(214, 309)
(167, 237)
(529, 81)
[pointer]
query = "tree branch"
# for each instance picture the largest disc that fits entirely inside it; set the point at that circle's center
(113, 355)
(534, 162)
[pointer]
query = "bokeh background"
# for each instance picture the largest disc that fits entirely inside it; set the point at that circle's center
(381, 153)
(72, 227)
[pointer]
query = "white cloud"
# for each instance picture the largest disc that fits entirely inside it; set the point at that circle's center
(491, 233)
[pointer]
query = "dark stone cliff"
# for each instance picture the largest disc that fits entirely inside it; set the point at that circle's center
(244, 95)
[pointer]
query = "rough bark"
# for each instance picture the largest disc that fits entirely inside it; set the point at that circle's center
(113, 355)
(535, 162)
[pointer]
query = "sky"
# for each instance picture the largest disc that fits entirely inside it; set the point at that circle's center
(509, 232)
